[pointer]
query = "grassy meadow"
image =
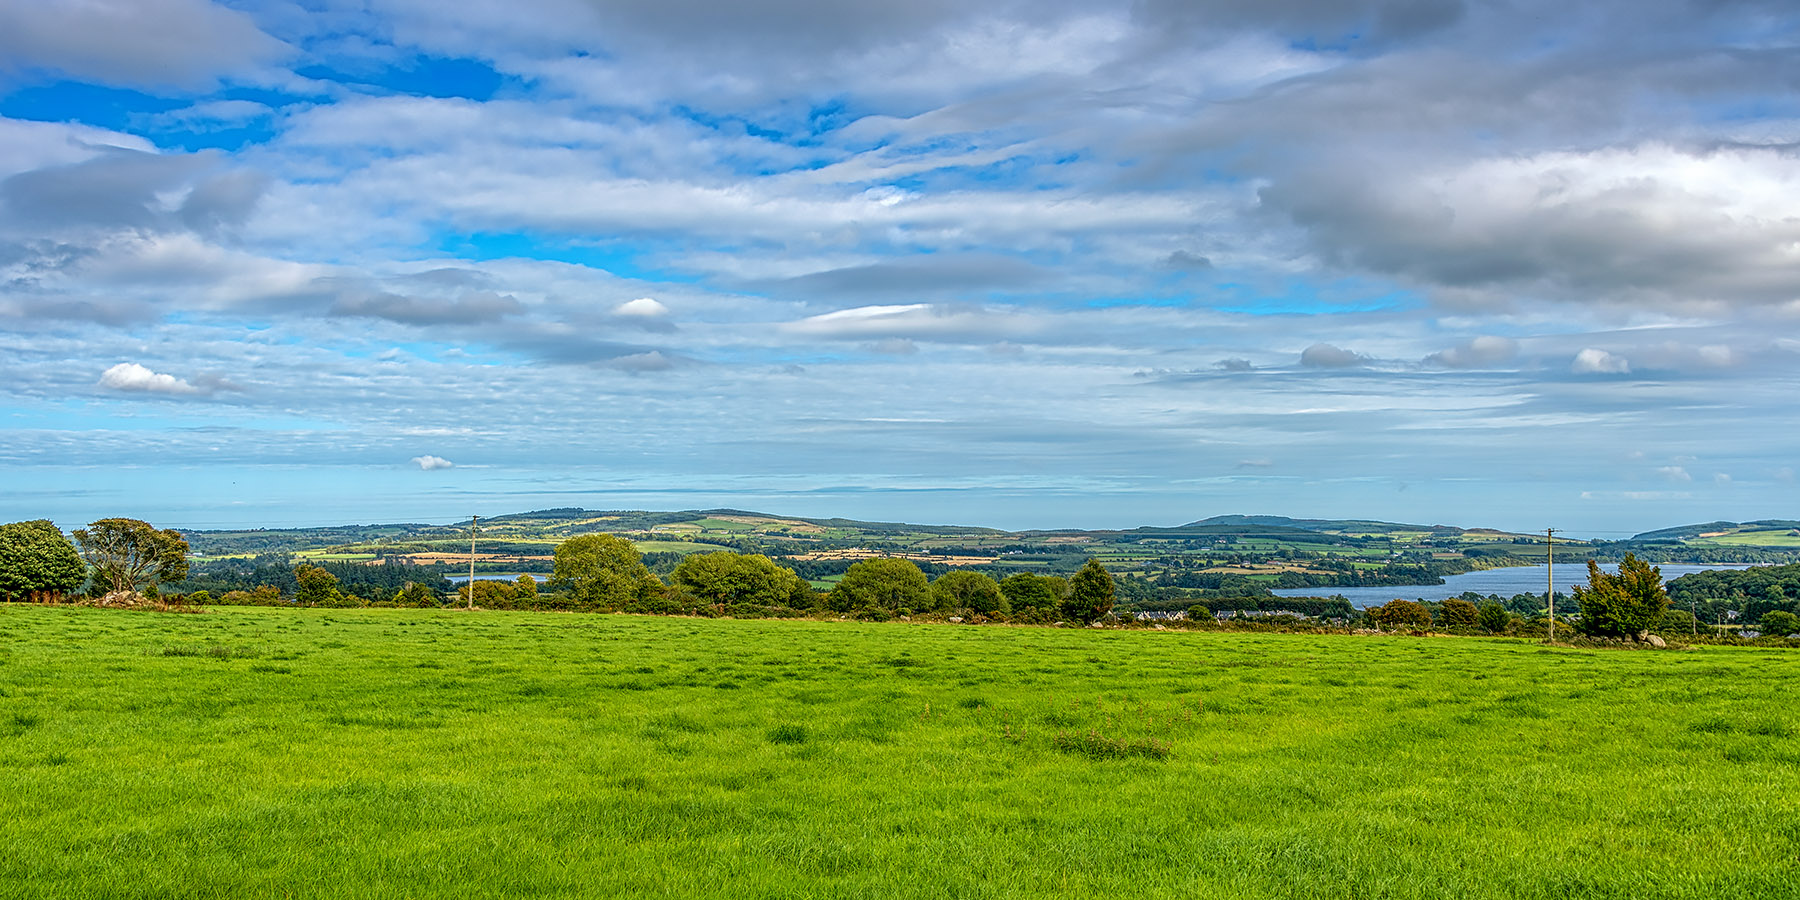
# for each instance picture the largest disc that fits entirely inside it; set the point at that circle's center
(257, 752)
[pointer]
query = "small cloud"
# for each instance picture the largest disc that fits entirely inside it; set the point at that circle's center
(1485, 350)
(1717, 355)
(652, 361)
(216, 113)
(133, 377)
(642, 308)
(1234, 365)
(429, 463)
(1720, 478)
(1182, 259)
(1594, 361)
(1256, 463)
(886, 195)
(1785, 475)
(1326, 356)
(1674, 473)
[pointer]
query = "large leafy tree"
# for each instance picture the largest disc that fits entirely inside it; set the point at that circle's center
(128, 554)
(316, 586)
(890, 584)
(733, 578)
(1458, 613)
(1401, 614)
(602, 570)
(1090, 592)
(1628, 603)
(37, 561)
(1494, 617)
(972, 591)
(1027, 591)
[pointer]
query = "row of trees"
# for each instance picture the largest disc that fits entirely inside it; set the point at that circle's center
(1630, 603)
(38, 563)
(606, 572)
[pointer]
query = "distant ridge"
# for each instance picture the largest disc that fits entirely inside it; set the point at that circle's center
(1687, 532)
(1323, 524)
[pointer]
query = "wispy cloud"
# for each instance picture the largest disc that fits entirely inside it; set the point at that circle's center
(1138, 251)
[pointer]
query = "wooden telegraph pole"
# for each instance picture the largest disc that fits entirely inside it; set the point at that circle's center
(1550, 580)
(472, 521)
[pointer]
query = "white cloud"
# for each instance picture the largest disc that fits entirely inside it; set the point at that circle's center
(136, 378)
(429, 463)
(649, 361)
(1594, 361)
(1674, 473)
(642, 307)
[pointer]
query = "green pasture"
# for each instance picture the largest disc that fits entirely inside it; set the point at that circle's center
(1750, 539)
(422, 753)
(677, 547)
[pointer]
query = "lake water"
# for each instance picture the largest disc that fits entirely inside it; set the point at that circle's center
(1505, 582)
(539, 577)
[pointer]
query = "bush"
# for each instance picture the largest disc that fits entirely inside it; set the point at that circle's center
(1677, 621)
(1396, 614)
(1458, 613)
(1622, 605)
(1090, 593)
(1779, 623)
(887, 584)
(1493, 617)
(972, 591)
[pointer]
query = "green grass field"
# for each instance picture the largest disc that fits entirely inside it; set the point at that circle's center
(1751, 539)
(422, 753)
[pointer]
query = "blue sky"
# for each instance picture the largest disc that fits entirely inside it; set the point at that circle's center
(1049, 264)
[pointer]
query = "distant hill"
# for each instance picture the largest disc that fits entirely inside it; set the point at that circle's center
(1717, 529)
(1356, 526)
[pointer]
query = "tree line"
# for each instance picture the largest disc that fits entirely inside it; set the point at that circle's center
(603, 572)
(592, 572)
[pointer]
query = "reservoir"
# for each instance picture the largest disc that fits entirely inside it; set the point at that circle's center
(1505, 582)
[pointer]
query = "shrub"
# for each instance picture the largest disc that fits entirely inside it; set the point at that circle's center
(1625, 604)
(1401, 614)
(1493, 617)
(1458, 613)
(1779, 622)
(972, 591)
(1090, 593)
(887, 584)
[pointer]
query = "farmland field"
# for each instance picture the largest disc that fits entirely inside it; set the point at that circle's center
(409, 753)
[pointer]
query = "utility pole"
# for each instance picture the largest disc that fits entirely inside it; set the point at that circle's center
(1550, 580)
(472, 521)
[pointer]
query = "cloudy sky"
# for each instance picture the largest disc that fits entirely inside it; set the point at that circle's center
(1058, 263)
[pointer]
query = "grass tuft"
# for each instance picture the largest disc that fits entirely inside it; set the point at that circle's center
(1094, 745)
(788, 734)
